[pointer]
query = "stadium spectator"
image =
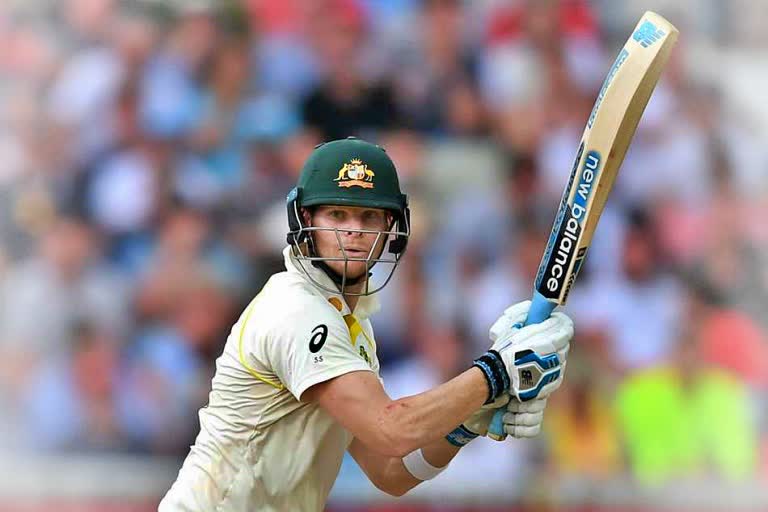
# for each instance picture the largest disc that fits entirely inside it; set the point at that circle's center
(69, 404)
(687, 419)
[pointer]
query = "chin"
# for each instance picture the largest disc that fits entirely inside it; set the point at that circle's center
(354, 270)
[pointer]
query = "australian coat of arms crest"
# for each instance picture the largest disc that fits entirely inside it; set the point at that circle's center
(355, 174)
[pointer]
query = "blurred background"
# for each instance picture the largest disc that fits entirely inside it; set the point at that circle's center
(146, 149)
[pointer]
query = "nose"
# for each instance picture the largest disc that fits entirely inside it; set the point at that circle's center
(352, 224)
(348, 232)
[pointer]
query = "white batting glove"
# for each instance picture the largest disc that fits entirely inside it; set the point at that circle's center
(538, 356)
(477, 424)
(527, 361)
(523, 419)
(479, 421)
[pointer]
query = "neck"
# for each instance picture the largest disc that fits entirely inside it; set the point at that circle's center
(351, 301)
(351, 288)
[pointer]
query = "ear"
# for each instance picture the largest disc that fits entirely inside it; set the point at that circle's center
(306, 216)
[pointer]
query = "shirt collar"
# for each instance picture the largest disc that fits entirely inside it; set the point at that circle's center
(367, 305)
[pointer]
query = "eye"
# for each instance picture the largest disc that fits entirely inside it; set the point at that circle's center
(373, 218)
(336, 214)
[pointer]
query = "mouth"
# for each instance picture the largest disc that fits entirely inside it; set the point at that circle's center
(355, 253)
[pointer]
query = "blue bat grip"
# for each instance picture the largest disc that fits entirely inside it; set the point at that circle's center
(540, 310)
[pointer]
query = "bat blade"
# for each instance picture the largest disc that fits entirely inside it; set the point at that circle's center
(610, 127)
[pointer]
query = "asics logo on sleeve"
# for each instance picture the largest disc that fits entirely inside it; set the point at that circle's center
(319, 335)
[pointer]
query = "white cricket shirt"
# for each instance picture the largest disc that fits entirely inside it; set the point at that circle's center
(260, 448)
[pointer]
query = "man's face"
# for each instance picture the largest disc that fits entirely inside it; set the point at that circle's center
(355, 244)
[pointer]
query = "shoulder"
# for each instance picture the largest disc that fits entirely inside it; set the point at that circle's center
(288, 305)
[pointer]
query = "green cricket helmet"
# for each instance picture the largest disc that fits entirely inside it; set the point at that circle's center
(348, 172)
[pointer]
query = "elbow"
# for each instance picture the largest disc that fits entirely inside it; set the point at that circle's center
(395, 491)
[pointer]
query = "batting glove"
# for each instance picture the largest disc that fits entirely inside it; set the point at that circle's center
(523, 419)
(528, 362)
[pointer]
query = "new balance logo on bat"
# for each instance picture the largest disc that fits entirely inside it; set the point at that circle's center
(647, 34)
(568, 231)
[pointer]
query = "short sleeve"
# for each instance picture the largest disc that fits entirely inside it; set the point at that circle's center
(310, 347)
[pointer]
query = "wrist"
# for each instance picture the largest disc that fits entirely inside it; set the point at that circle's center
(495, 373)
(419, 467)
(460, 436)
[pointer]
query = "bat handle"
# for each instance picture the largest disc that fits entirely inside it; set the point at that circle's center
(540, 310)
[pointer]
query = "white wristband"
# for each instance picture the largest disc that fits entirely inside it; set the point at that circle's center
(418, 466)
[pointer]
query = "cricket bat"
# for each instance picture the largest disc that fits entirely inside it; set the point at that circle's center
(610, 127)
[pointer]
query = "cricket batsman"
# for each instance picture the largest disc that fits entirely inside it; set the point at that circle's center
(298, 381)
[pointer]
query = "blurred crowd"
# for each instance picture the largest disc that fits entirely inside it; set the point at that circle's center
(147, 148)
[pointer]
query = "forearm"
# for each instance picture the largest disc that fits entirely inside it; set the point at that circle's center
(397, 427)
(389, 473)
(421, 420)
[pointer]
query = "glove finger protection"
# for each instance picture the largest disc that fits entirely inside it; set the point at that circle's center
(524, 419)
